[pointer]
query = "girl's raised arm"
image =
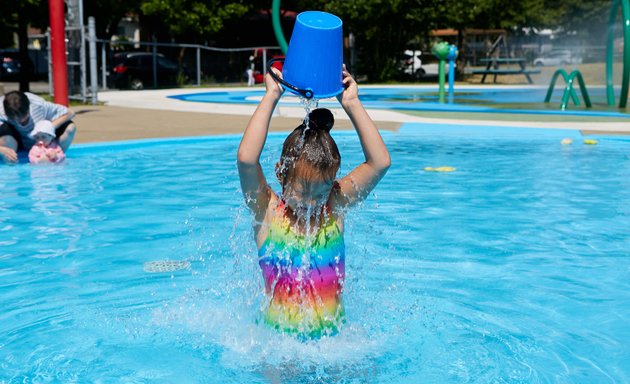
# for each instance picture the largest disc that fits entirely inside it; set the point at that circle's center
(355, 186)
(253, 183)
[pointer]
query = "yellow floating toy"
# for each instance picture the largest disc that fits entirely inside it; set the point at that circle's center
(566, 141)
(590, 142)
(440, 169)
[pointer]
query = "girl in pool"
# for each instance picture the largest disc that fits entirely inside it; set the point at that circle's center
(45, 150)
(299, 233)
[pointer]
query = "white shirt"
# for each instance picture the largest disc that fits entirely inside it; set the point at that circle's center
(40, 109)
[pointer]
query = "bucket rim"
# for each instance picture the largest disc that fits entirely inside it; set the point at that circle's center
(318, 96)
(332, 17)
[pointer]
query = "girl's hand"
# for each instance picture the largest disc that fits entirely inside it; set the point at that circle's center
(273, 87)
(351, 90)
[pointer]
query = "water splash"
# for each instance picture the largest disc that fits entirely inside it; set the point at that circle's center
(309, 105)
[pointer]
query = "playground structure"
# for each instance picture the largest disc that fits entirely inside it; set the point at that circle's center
(569, 91)
(610, 90)
(444, 51)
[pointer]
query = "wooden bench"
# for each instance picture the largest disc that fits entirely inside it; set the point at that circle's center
(520, 70)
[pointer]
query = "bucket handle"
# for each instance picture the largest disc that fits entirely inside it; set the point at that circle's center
(307, 93)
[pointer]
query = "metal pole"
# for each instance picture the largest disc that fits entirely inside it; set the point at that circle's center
(58, 51)
(84, 85)
(83, 66)
(441, 80)
(264, 61)
(154, 63)
(50, 73)
(93, 61)
(198, 66)
(103, 66)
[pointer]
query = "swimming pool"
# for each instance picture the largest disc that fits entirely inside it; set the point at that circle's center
(511, 100)
(513, 268)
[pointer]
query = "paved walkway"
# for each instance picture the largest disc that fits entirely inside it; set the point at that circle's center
(109, 123)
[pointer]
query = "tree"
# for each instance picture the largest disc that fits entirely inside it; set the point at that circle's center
(107, 14)
(15, 17)
(586, 18)
(382, 29)
(188, 20)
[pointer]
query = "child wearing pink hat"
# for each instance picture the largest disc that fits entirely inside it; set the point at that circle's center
(46, 149)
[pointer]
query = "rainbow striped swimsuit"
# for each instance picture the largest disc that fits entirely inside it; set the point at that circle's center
(303, 277)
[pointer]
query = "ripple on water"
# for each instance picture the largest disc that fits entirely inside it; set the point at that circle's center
(511, 269)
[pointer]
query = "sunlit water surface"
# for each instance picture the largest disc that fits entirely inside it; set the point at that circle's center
(514, 268)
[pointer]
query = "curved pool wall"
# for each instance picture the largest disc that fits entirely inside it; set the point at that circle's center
(473, 100)
(513, 268)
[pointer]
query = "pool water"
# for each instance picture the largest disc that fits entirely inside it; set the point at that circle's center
(513, 100)
(513, 268)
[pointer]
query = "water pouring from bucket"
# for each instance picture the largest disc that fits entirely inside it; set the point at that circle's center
(312, 68)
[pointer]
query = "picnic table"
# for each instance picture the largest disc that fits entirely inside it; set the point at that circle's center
(493, 64)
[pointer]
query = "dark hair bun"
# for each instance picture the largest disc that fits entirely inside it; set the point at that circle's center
(322, 119)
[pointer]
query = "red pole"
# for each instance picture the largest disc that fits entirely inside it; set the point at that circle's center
(58, 51)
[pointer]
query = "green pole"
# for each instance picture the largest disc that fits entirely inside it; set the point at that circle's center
(277, 27)
(625, 82)
(442, 50)
(610, 91)
(442, 80)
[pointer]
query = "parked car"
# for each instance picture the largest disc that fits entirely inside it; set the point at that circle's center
(134, 70)
(557, 58)
(10, 65)
(416, 65)
(410, 63)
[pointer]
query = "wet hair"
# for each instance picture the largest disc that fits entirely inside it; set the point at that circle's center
(16, 104)
(311, 151)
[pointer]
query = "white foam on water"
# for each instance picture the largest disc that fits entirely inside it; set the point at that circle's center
(164, 266)
(248, 344)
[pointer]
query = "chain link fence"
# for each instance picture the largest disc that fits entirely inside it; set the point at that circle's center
(196, 64)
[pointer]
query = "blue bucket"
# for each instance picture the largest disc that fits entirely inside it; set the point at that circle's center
(314, 60)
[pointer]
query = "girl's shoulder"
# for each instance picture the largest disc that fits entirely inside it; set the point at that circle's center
(261, 228)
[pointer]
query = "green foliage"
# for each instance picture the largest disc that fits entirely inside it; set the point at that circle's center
(107, 14)
(382, 28)
(192, 18)
(33, 12)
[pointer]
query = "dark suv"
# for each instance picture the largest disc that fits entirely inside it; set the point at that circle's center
(135, 70)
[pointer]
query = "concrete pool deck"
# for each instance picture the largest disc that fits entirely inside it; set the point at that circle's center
(129, 115)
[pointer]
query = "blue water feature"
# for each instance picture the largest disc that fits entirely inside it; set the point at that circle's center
(525, 101)
(513, 268)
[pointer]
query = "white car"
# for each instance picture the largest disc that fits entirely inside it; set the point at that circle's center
(557, 58)
(411, 64)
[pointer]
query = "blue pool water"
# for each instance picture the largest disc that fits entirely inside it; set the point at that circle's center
(514, 268)
(524, 100)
